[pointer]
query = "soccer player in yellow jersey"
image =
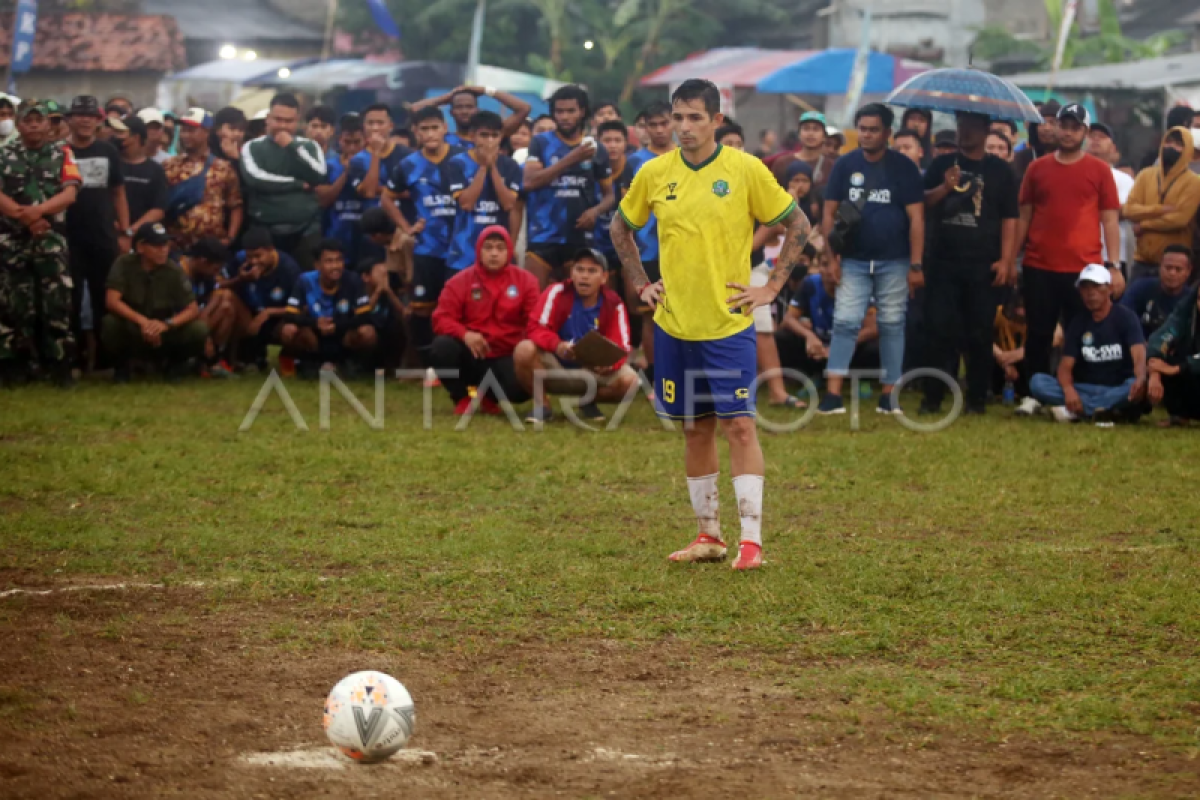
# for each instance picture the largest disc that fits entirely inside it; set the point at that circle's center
(706, 198)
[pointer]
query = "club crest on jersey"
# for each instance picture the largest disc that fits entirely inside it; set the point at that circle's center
(1088, 339)
(419, 291)
(343, 306)
(720, 188)
(277, 293)
(511, 291)
(477, 294)
(857, 179)
(671, 191)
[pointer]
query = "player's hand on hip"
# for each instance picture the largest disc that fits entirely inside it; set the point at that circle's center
(652, 294)
(749, 298)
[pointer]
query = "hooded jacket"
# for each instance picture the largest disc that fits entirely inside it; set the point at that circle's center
(497, 304)
(1179, 188)
(555, 307)
(1176, 341)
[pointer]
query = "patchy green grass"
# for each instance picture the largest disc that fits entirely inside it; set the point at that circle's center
(1003, 574)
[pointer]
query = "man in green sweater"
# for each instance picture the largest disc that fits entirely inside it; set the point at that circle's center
(281, 172)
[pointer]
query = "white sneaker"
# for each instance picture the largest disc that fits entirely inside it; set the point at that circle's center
(1062, 415)
(1028, 407)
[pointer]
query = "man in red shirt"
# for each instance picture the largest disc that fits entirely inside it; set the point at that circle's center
(480, 318)
(1066, 198)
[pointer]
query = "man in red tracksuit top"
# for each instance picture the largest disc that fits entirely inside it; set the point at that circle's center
(480, 318)
(565, 313)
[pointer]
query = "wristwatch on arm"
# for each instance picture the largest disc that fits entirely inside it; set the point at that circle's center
(916, 267)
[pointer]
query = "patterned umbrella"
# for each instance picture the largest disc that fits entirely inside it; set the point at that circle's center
(970, 90)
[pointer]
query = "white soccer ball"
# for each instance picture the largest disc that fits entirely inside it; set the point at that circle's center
(369, 716)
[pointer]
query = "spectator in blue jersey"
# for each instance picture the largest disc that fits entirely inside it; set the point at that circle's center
(261, 278)
(464, 104)
(341, 201)
(806, 331)
(203, 263)
(320, 125)
(659, 141)
(485, 184)
(328, 314)
(387, 313)
(614, 138)
(422, 178)
(565, 173)
(371, 169)
(1154, 298)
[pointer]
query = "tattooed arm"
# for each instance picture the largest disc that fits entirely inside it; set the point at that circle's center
(631, 263)
(798, 231)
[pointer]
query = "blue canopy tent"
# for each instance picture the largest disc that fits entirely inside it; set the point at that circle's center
(828, 72)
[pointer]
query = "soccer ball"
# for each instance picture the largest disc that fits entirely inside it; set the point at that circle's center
(369, 716)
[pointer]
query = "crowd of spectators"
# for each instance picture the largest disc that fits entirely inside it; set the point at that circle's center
(200, 243)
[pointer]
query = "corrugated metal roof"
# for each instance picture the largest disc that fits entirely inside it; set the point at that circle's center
(1153, 73)
(231, 20)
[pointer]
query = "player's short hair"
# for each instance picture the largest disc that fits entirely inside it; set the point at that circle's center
(810, 250)
(485, 121)
(233, 117)
(137, 128)
(285, 99)
(1180, 117)
(327, 246)
(472, 95)
(907, 133)
(607, 104)
(539, 118)
(403, 133)
(727, 128)
(568, 93)
(698, 89)
(885, 114)
(427, 113)
(323, 113)
(384, 107)
(5, 102)
(656, 109)
(612, 125)
(350, 123)
(1182, 249)
(376, 221)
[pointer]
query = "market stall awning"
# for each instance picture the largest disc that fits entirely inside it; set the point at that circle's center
(787, 71)
(235, 70)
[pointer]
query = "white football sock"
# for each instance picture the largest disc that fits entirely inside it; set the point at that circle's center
(749, 492)
(705, 499)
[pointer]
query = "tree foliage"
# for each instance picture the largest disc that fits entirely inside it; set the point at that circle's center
(630, 37)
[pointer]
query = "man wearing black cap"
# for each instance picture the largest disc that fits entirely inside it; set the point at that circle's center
(1066, 200)
(38, 180)
(945, 143)
(1043, 139)
(100, 213)
(565, 313)
(153, 311)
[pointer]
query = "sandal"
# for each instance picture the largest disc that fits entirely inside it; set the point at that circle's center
(791, 402)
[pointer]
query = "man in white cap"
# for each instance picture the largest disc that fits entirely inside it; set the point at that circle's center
(1102, 374)
(155, 141)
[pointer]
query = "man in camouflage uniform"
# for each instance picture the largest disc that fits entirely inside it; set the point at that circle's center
(38, 180)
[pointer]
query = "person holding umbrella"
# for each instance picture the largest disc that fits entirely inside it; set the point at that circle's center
(971, 209)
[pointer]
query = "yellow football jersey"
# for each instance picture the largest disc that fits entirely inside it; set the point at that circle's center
(706, 217)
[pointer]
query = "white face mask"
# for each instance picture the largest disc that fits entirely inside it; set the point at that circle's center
(6, 127)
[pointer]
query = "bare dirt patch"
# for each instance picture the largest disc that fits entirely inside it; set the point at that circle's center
(154, 694)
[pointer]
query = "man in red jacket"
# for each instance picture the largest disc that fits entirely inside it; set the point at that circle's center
(480, 318)
(565, 313)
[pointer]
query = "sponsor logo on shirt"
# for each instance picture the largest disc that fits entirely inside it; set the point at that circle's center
(883, 196)
(1103, 353)
(94, 172)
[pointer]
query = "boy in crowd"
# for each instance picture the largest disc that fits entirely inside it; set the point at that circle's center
(328, 313)
(203, 264)
(464, 104)
(320, 125)
(152, 311)
(481, 318)
(806, 331)
(1102, 373)
(421, 176)
(614, 138)
(486, 185)
(387, 312)
(1153, 299)
(145, 180)
(1174, 354)
(262, 278)
(907, 142)
(565, 313)
(1000, 146)
(606, 111)
(564, 175)
(342, 203)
